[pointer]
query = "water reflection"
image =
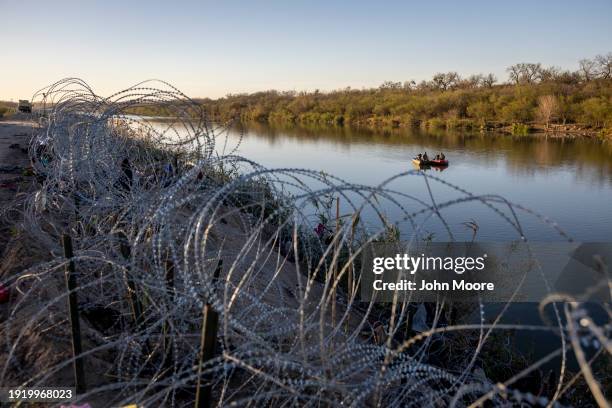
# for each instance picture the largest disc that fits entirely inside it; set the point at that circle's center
(523, 154)
(568, 180)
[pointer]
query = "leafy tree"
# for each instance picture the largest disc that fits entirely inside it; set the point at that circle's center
(567, 109)
(482, 110)
(519, 110)
(597, 111)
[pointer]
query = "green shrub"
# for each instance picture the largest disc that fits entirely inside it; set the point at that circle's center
(597, 111)
(520, 110)
(454, 108)
(461, 124)
(435, 123)
(483, 111)
(410, 121)
(519, 129)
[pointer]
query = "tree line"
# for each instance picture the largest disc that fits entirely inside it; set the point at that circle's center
(532, 94)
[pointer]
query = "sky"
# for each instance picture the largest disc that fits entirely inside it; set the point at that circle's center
(210, 49)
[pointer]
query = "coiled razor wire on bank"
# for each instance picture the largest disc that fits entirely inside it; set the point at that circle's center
(158, 205)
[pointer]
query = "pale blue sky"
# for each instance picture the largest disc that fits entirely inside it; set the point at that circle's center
(214, 48)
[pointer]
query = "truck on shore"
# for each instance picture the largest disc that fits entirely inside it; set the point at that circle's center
(24, 106)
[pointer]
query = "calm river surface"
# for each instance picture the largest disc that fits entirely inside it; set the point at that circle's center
(567, 180)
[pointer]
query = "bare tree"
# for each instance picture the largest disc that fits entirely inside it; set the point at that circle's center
(425, 86)
(409, 85)
(439, 81)
(604, 65)
(548, 108)
(488, 80)
(587, 69)
(532, 72)
(478, 81)
(567, 77)
(452, 79)
(550, 73)
(391, 85)
(473, 81)
(514, 73)
(525, 72)
(446, 81)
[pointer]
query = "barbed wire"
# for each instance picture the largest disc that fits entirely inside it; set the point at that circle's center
(153, 207)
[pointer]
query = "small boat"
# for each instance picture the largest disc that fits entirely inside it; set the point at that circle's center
(430, 162)
(438, 162)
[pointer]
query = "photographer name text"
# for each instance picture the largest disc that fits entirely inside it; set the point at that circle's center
(409, 265)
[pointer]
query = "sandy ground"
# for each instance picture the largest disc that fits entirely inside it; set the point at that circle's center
(14, 132)
(18, 253)
(14, 136)
(15, 179)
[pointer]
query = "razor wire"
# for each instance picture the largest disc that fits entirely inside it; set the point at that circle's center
(158, 206)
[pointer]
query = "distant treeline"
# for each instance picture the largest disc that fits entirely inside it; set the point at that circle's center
(532, 95)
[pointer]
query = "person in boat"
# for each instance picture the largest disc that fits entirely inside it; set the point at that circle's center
(419, 157)
(442, 156)
(437, 157)
(425, 157)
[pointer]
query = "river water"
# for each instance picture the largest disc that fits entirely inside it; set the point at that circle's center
(569, 181)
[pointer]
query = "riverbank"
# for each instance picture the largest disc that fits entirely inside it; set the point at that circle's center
(551, 105)
(466, 125)
(383, 124)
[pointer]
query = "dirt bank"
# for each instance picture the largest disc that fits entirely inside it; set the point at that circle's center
(15, 176)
